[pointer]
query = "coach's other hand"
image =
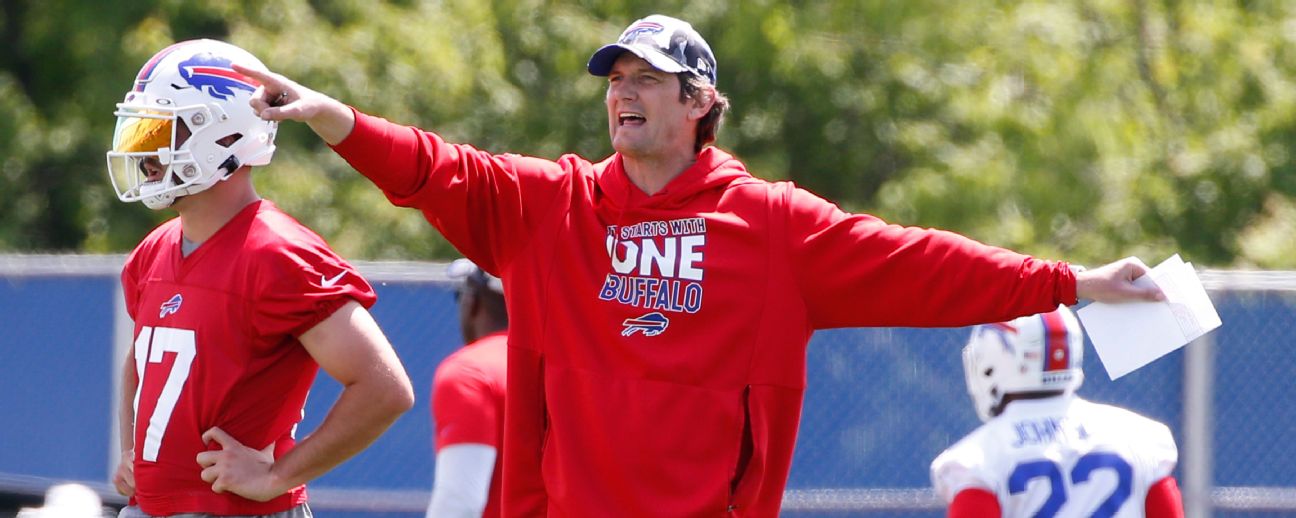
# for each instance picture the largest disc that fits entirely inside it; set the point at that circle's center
(1114, 282)
(279, 98)
(239, 469)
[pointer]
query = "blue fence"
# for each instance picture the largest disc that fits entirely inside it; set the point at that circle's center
(881, 403)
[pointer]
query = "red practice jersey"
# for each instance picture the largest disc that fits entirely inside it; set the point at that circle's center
(657, 343)
(216, 345)
(468, 402)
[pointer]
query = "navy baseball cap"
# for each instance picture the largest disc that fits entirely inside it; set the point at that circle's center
(668, 44)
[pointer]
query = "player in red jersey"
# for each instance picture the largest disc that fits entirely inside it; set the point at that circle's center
(661, 300)
(236, 306)
(468, 401)
(1043, 451)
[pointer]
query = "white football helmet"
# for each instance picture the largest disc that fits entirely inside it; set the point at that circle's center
(187, 121)
(1038, 353)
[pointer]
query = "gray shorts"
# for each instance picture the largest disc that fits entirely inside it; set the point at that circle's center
(301, 511)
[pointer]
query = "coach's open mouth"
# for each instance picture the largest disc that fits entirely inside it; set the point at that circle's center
(630, 118)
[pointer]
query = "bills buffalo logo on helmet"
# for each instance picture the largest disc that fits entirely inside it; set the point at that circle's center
(214, 76)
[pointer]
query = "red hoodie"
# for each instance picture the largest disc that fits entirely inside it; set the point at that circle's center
(665, 378)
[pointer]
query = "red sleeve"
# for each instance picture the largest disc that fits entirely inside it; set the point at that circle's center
(300, 285)
(484, 204)
(138, 264)
(130, 283)
(463, 406)
(910, 276)
(1164, 500)
(974, 503)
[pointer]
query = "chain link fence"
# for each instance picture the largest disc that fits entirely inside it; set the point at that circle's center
(879, 406)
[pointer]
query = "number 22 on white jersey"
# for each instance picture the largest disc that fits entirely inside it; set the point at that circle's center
(1059, 482)
(150, 346)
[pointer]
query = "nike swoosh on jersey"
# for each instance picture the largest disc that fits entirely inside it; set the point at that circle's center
(328, 283)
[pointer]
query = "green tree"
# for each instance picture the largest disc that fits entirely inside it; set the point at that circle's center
(1084, 130)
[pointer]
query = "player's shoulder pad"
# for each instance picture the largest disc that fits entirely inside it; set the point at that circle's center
(960, 467)
(969, 452)
(1153, 439)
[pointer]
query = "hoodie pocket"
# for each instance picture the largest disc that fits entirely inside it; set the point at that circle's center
(638, 444)
(744, 451)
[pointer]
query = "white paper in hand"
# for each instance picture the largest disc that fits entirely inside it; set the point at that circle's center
(1130, 335)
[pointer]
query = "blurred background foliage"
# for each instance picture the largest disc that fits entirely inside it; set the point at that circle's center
(1079, 129)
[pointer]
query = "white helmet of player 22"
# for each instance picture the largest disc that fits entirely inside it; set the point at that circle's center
(1038, 353)
(186, 124)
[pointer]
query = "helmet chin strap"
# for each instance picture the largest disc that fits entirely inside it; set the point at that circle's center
(230, 165)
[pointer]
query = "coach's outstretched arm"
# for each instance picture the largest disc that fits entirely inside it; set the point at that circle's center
(1114, 282)
(280, 98)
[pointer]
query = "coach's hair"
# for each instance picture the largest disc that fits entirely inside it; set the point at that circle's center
(707, 127)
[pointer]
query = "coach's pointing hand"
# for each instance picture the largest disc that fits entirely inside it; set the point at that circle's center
(280, 98)
(239, 469)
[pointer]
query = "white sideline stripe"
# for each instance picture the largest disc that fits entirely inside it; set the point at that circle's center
(45, 265)
(860, 500)
(1254, 498)
(378, 500)
(1248, 280)
(800, 500)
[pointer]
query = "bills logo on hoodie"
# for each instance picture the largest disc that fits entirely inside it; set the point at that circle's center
(656, 265)
(651, 324)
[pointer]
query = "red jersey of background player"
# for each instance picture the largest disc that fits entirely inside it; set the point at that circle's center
(657, 343)
(468, 402)
(215, 345)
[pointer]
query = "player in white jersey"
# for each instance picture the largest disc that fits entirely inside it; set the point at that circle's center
(1043, 451)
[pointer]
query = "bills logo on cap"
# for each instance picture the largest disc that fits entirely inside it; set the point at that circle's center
(215, 77)
(641, 29)
(652, 324)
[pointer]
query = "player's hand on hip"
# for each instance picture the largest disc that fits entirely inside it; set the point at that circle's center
(237, 468)
(1114, 282)
(124, 478)
(279, 98)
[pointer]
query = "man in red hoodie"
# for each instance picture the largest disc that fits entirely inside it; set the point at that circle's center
(661, 299)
